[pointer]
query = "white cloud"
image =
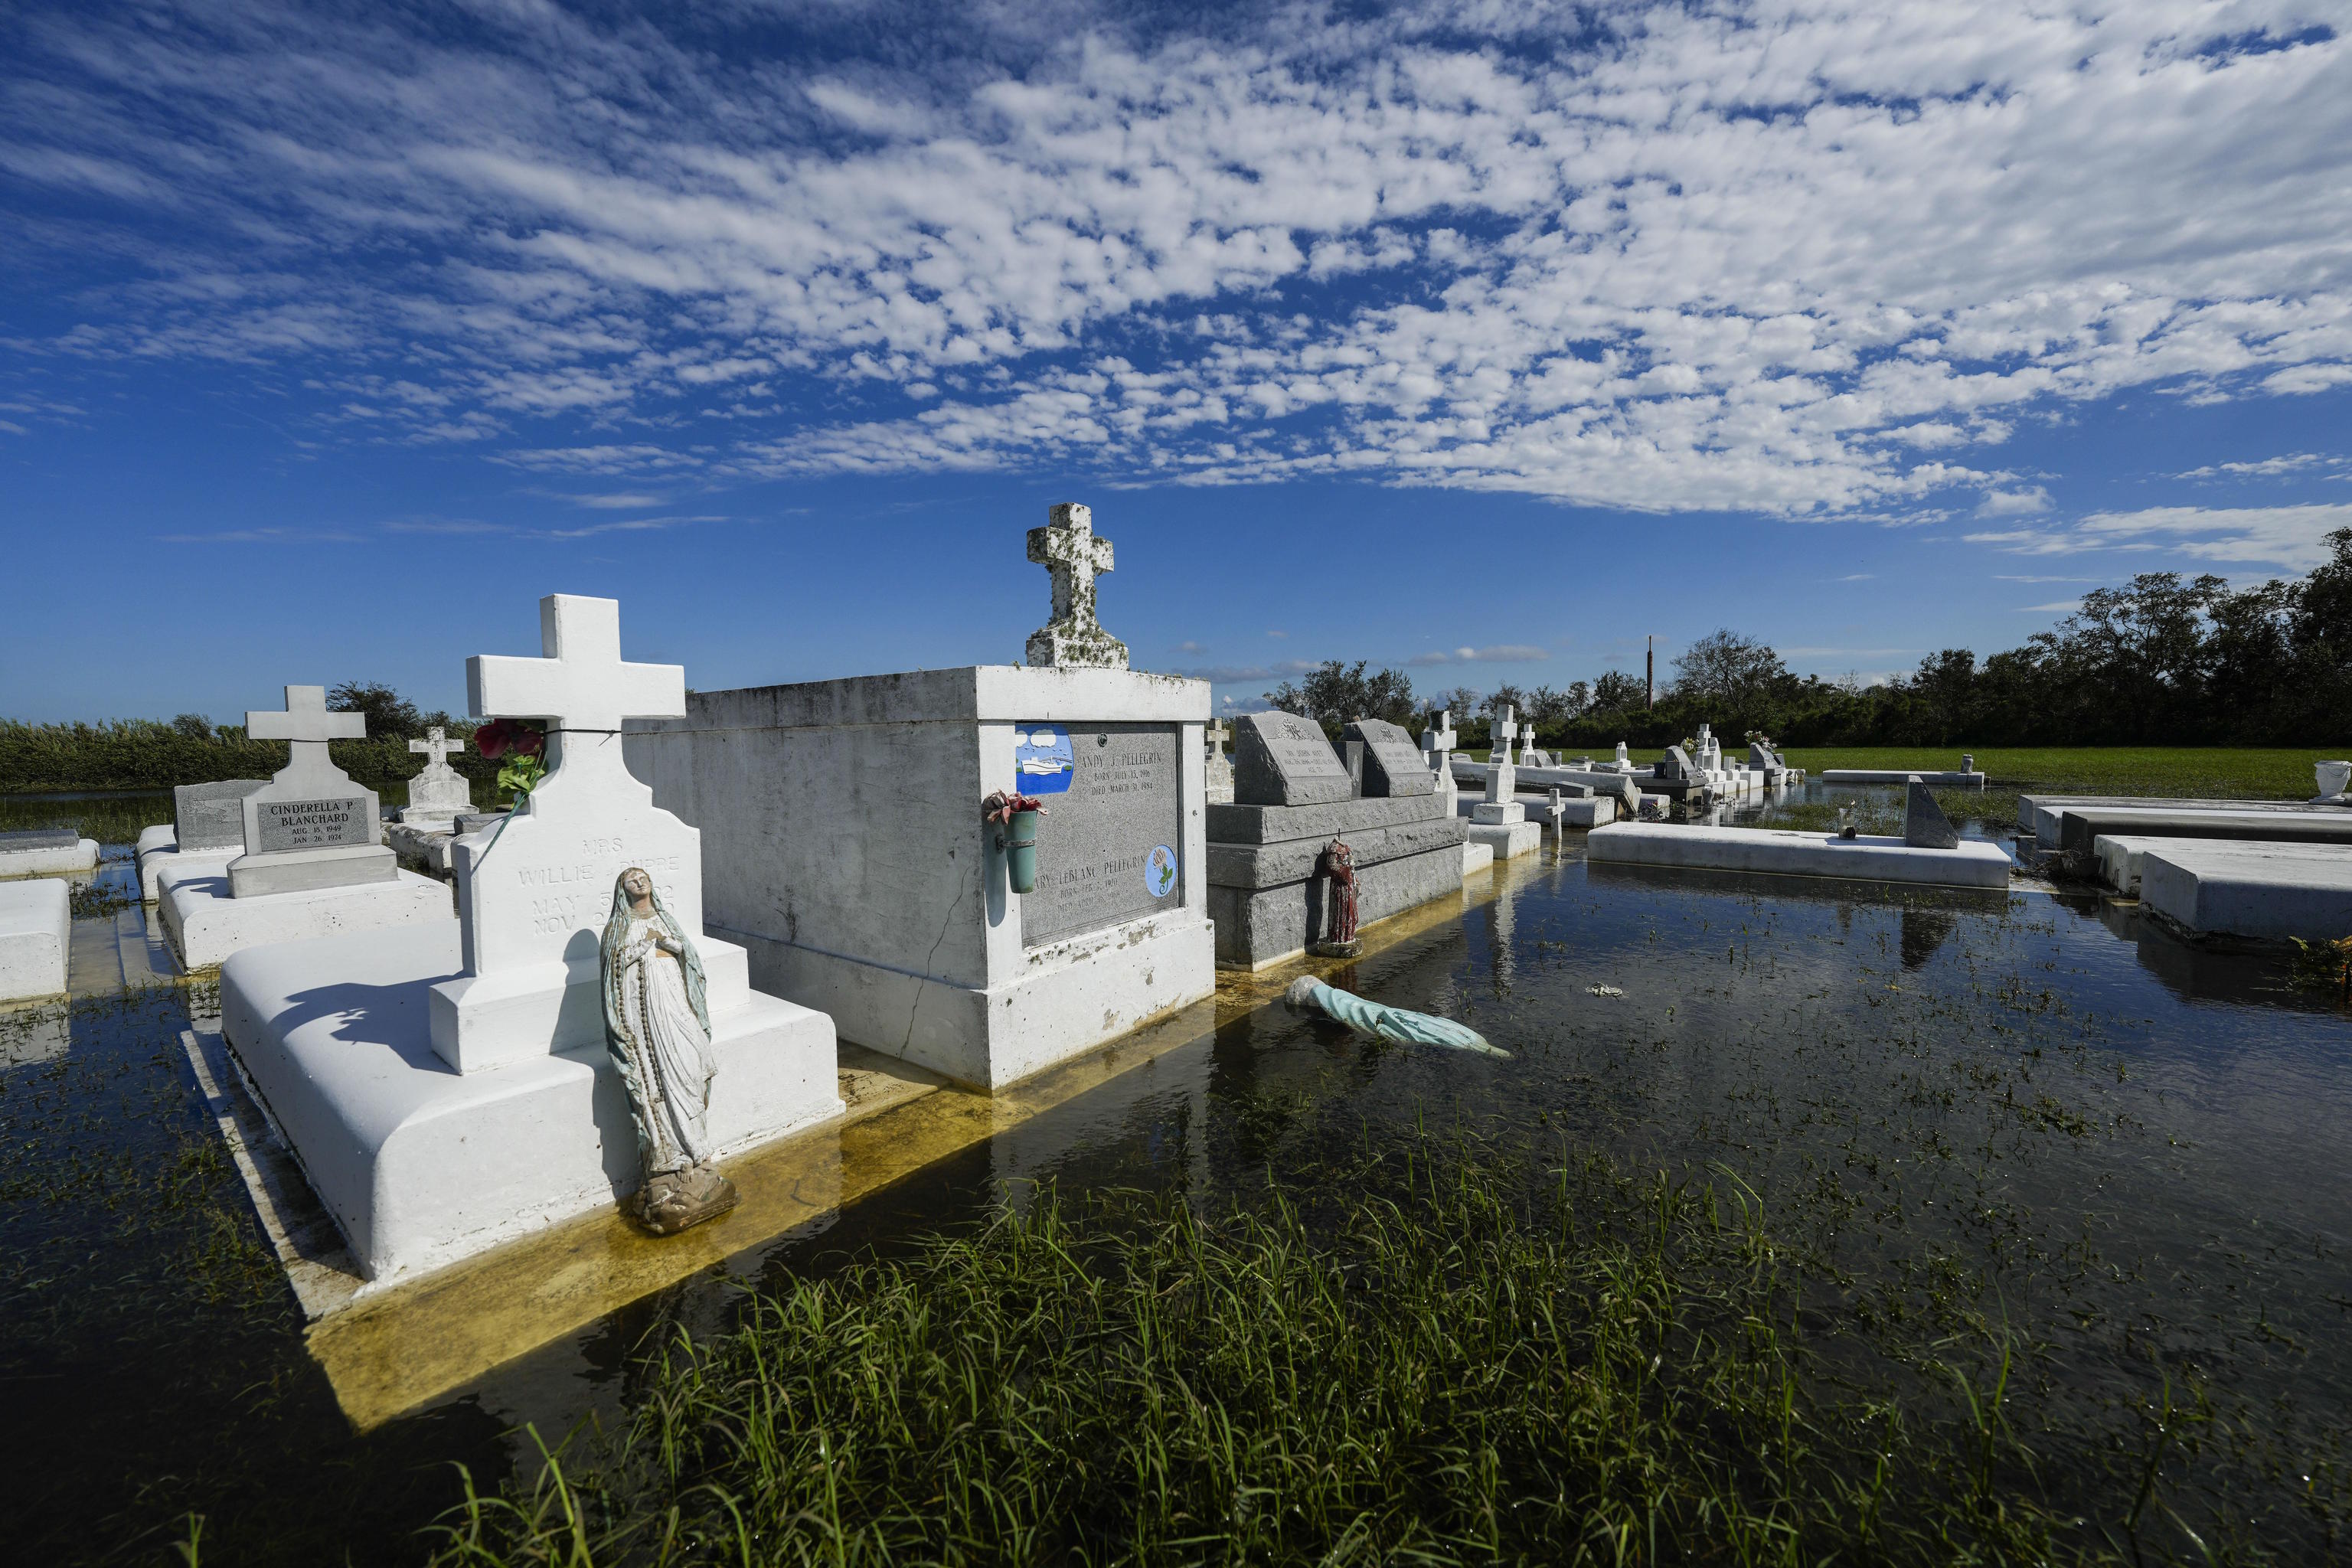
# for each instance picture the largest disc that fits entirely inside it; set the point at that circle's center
(1792, 260)
(2289, 537)
(1500, 653)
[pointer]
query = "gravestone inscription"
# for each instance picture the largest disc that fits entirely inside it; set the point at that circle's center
(1280, 759)
(211, 815)
(1393, 763)
(1108, 847)
(325, 822)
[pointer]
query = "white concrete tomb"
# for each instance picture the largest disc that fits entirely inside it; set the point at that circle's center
(447, 1087)
(35, 929)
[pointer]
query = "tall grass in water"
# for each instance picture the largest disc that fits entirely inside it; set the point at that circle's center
(1454, 1356)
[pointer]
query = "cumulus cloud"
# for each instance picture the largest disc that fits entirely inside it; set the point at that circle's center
(2289, 537)
(1809, 259)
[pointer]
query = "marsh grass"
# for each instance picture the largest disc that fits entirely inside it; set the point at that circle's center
(1453, 1355)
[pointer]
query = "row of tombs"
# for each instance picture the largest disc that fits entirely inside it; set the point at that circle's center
(656, 951)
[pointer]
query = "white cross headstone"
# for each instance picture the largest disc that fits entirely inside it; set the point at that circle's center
(440, 791)
(310, 827)
(1218, 733)
(580, 687)
(437, 746)
(1068, 548)
(534, 887)
(307, 727)
(1502, 778)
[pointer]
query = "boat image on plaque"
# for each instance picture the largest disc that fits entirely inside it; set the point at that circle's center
(1041, 757)
(1160, 871)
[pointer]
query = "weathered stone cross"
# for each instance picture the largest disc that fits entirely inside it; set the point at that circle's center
(1068, 548)
(581, 687)
(1505, 732)
(1218, 733)
(306, 725)
(436, 748)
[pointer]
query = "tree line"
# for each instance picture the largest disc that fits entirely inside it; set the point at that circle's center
(2159, 661)
(157, 754)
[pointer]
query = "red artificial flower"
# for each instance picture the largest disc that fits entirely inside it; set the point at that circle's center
(501, 736)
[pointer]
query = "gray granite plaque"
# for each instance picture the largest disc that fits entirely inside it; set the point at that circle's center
(325, 823)
(1108, 846)
(39, 839)
(211, 815)
(1393, 764)
(1280, 759)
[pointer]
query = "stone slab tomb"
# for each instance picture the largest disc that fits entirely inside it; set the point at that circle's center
(845, 849)
(46, 852)
(1266, 896)
(2254, 891)
(1972, 863)
(447, 1087)
(35, 929)
(207, 828)
(313, 863)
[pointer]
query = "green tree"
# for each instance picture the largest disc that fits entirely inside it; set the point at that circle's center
(1725, 669)
(1616, 692)
(1335, 693)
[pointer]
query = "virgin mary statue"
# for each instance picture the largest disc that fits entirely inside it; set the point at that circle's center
(658, 1028)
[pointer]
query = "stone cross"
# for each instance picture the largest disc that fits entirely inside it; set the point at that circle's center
(306, 725)
(1505, 733)
(1218, 733)
(1502, 778)
(1068, 549)
(436, 747)
(581, 687)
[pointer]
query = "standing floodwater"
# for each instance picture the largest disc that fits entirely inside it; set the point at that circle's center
(1974, 1126)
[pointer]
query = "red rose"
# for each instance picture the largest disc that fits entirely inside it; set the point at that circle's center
(501, 736)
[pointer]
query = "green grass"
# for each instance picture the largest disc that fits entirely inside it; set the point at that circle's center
(1460, 1357)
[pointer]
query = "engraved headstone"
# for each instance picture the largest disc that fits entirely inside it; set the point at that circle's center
(1280, 759)
(440, 791)
(310, 827)
(1925, 826)
(1675, 766)
(1393, 764)
(1108, 846)
(211, 815)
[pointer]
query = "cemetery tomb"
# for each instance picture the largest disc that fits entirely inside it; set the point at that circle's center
(2254, 891)
(1220, 782)
(1269, 892)
(2079, 827)
(206, 830)
(2039, 815)
(1499, 821)
(312, 866)
(1969, 863)
(36, 927)
(1956, 778)
(2119, 855)
(46, 852)
(847, 851)
(447, 1085)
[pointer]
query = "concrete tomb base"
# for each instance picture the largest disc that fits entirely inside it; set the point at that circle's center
(45, 854)
(426, 843)
(2079, 827)
(2264, 892)
(2120, 854)
(1869, 858)
(204, 923)
(421, 1165)
(36, 929)
(1506, 840)
(158, 851)
(2042, 814)
(1477, 857)
(1265, 898)
(843, 846)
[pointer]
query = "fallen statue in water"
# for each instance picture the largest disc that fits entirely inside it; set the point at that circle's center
(1376, 1021)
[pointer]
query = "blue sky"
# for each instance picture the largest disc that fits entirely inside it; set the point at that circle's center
(1485, 340)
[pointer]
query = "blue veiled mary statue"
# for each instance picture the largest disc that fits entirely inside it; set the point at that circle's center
(658, 1028)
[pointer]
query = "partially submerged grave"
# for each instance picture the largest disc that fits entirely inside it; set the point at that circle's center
(1269, 872)
(446, 1085)
(313, 863)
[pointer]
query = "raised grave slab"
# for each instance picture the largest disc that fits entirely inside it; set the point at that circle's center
(46, 852)
(1973, 863)
(2257, 891)
(36, 934)
(2080, 826)
(1257, 928)
(420, 1165)
(1950, 779)
(2039, 814)
(204, 923)
(2120, 854)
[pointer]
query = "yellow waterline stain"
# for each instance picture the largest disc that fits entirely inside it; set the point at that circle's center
(389, 1354)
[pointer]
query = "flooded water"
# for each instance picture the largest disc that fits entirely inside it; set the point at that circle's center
(2133, 1156)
